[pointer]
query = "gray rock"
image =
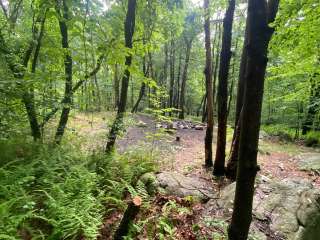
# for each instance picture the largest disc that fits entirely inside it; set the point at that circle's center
(150, 182)
(198, 127)
(142, 124)
(293, 207)
(182, 186)
(309, 162)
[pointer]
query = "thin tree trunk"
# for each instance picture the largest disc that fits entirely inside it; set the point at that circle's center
(313, 104)
(129, 31)
(231, 169)
(163, 82)
(172, 63)
(184, 78)
(232, 77)
(225, 56)
(19, 73)
(95, 80)
(209, 88)
(142, 88)
(201, 104)
(259, 35)
(216, 68)
(68, 73)
(204, 108)
(177, 99)
(74, 89)
(116, 83)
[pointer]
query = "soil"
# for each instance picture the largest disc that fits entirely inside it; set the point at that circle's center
(182, 151)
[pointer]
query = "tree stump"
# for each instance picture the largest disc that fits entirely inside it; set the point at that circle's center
(128, 216)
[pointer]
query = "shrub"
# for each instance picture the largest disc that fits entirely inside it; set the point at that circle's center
(312, 139)
(283, 132)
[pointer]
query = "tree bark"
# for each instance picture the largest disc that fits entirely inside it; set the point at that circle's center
(177, 94)
(184, 78)
(129, 31)
(259, 35)
(142, 88)
(216, 68)
(68, 72)
(116, 83)
(225, 56)
(19, 73)
(231, 170)
(313, 107)
(128, 217)
(74, 89)
(232, 77)
(172, 68)
(209, 88)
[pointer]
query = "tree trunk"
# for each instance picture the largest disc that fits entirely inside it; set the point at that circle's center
(259, 35)
(177, 99)
(116, 83)
(19, 73)
(129, 31)
(215, 69)
(184, 78)
(209, 87)
(204, 109)
(233, 77)
(74, 89)
(172, 63)
(231, 169)
(201, 104)
(143, 87)
(68, 73)
(313, 104)
(128, 217)
(163, 80)
(225, 56)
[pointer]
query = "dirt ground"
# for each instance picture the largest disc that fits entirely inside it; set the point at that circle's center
(277, 160)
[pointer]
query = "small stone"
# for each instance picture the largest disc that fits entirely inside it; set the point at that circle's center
(141, 124)
(198, 127)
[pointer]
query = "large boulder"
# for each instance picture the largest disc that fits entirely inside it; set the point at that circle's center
(172, 183)
(309, 162)
(291, 207)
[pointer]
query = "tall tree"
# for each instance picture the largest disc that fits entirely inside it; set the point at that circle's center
(313, 106)
(143, 85)
(209, 88)
(184, 77)
(260, 13)
(129, 28)
(172, 73)
(116, 85)
(18, 71)
(225, 56)
(231, 170)
(63, 18)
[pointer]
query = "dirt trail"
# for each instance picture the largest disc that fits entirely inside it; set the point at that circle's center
(277, 160)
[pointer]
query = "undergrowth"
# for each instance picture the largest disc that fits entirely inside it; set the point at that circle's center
(51, 192)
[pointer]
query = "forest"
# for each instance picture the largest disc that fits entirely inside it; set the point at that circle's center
(160, 119)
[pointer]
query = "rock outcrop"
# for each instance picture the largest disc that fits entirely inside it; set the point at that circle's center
(290, 207)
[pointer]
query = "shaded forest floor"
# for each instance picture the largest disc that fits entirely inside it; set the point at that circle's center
(278, 161)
